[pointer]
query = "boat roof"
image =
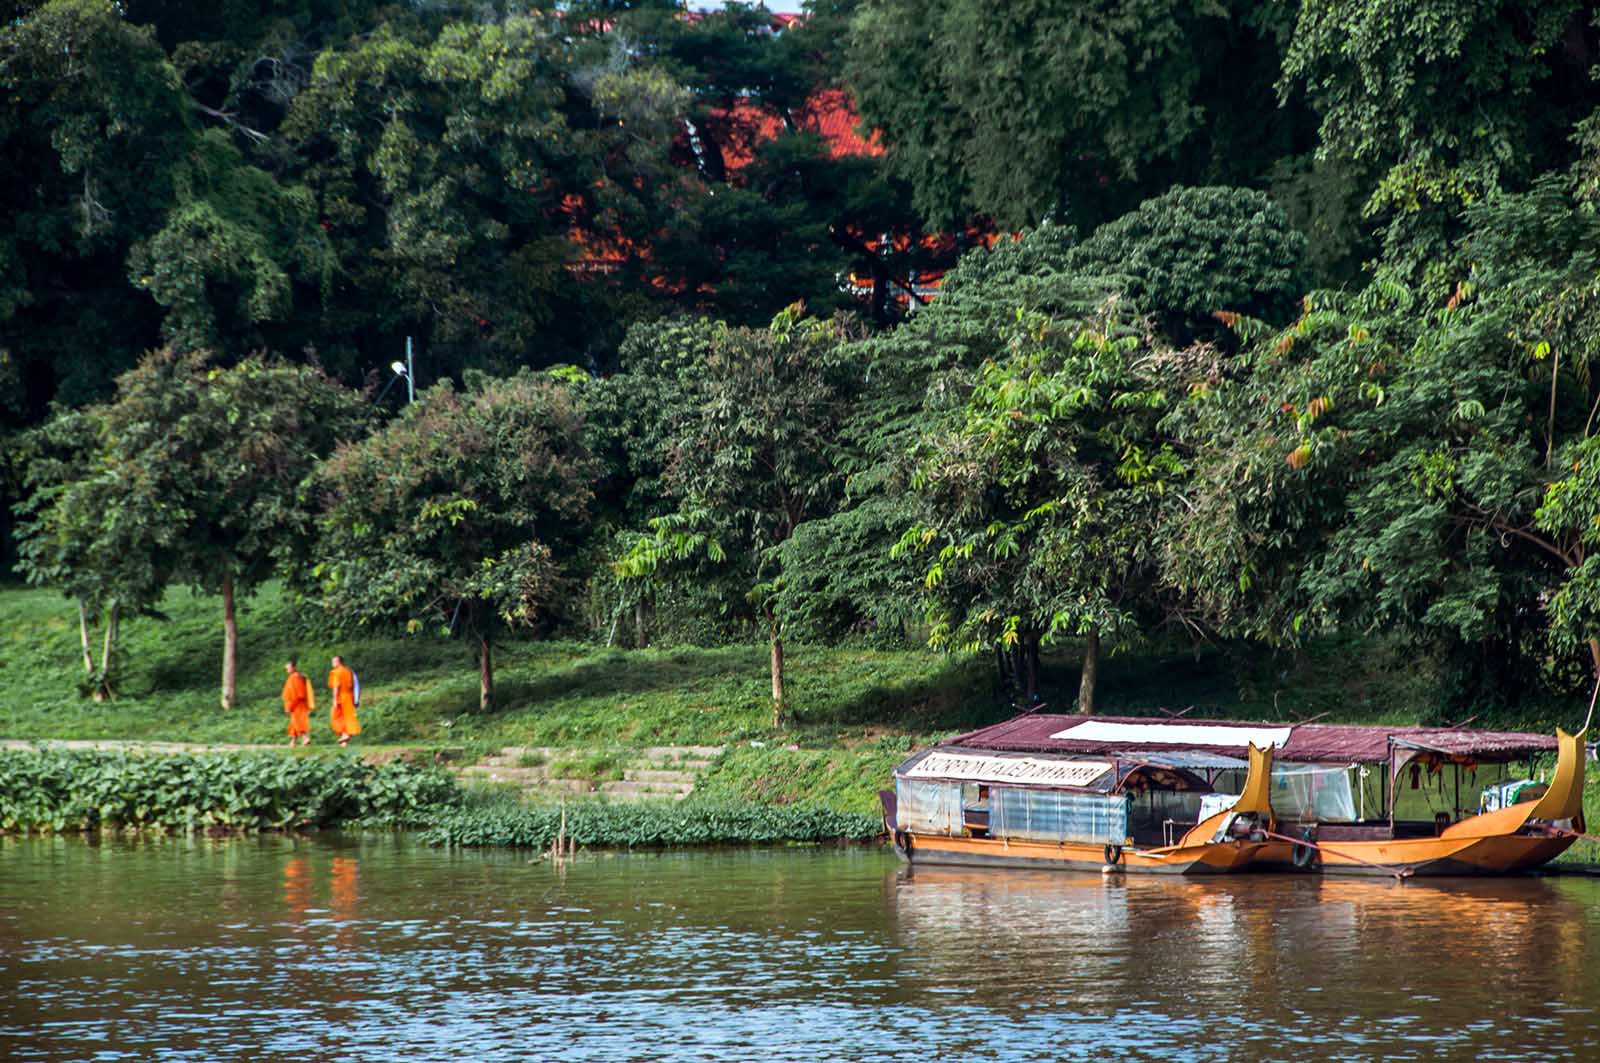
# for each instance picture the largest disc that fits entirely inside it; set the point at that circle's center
(1130, 737)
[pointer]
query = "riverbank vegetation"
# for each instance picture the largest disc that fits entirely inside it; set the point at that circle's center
(646, 825)
(56, 790)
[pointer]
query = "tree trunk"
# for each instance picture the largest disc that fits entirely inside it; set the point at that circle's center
(641, 629)
(230, 646)
(83, 636)
(777, 678)
(1091, 672)
(485, 675)
(105, 689)
(1030, 662)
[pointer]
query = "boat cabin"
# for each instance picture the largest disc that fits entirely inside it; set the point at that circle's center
(1144, 801)
(1355, 782)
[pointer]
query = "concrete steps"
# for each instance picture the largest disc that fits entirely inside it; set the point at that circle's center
(654, 773)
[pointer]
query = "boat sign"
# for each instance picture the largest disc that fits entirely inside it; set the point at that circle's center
(1030, 770)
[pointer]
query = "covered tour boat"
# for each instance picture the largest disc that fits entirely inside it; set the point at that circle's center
(1193, 796)
(1175, 812)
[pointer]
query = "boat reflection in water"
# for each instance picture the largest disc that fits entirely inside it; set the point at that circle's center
(1171, 796)
(1249, 966)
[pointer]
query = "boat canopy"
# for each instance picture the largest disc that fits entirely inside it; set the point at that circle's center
(1133, 738)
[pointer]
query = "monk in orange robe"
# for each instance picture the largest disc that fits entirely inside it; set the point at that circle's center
(298, 701)
(343, 684)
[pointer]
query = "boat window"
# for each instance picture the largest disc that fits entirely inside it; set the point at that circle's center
(1164, 814)
(927, 807)
(1425, 788)
(1058, 815)
(1319, 792)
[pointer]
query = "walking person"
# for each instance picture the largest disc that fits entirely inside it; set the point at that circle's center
(342, 682)
(298, 701)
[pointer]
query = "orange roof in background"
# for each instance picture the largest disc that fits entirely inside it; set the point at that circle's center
(829, 113)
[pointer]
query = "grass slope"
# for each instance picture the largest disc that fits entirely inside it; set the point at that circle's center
(424, 691)
(857, 711)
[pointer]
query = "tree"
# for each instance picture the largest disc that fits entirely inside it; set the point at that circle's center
(190, 473)
(1389, 464)
(89, 530)
(1042, 495)
(1193, 253)
(1446, 101)
(461, 516)
(92, 119)
(459, 176)
(747, 469)
(1077, 111)
(840, 572)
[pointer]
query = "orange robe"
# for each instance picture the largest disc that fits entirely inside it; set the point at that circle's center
(343, 685)
(298, 701)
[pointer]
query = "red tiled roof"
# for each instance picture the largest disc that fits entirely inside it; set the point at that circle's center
(1307, 742)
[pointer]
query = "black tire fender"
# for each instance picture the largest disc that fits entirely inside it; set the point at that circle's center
(1113, 854)
(1304, 856)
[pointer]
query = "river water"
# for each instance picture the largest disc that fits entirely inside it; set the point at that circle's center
(377, 948)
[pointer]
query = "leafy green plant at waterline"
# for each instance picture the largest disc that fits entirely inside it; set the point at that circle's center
(55, 790)
(650, 825)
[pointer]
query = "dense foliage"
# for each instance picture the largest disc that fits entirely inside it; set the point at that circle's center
(56, 790)
(1268, 321)
(190, 474)
(651, 825)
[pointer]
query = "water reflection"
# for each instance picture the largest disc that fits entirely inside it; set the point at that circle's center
(375, 949)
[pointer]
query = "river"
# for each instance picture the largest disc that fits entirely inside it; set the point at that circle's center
(377, 948)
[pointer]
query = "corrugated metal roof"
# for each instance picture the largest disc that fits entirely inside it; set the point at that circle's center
(1037, 733)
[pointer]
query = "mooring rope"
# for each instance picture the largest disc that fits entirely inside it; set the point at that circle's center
(1397, 872)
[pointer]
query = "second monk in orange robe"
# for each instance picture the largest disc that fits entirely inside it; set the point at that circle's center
(343, 684)
(298, 701)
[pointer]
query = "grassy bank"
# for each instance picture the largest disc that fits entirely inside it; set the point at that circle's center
(424, 690)
(856, 711)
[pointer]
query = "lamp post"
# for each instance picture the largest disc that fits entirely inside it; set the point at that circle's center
(405, 369)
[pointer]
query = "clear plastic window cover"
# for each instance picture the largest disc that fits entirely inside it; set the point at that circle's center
(1318, 792)
(1058, 815)
(927, 807)
(1026, 815)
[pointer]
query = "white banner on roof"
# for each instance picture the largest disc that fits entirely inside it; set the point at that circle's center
(1033, 770)
(1178, 734)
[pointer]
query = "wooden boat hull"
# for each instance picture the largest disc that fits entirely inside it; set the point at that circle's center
(1205, 859)
(1495, 855)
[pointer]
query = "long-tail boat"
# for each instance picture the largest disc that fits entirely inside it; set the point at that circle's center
(1153, 812)
(1503, 821)
(1152, 794)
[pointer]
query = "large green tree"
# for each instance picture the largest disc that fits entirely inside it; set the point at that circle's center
(107, 543)
(191, 474)
(1443, 102)
(1390, 462)
(747, 468)
(1042, 494)
(461, 516)
(92, 119)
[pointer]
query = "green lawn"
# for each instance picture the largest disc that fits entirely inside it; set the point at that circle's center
(423, 690)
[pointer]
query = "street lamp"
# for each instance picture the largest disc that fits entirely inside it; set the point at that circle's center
(404, 369)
